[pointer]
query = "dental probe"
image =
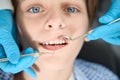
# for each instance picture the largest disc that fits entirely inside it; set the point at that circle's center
(23, 55)
(114, 21)
(84, 35)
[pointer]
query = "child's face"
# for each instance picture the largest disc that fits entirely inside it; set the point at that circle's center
(44, 20)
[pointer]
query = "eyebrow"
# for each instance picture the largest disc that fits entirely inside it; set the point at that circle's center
(23, 0)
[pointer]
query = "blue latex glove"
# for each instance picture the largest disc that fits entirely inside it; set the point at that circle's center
(24, 64)
(8, 36)
(9, 48)
(109, 33)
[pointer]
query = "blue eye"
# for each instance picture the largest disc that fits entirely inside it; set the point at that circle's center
(35, 10)
(72, 10)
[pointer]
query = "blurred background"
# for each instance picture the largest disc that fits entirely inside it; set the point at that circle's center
(99, 51)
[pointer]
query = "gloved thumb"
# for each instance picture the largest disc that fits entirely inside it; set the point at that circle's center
(112, 14)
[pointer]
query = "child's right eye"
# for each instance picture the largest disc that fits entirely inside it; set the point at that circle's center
(35, 10)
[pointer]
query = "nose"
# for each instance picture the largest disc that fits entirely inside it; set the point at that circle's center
(54, 22)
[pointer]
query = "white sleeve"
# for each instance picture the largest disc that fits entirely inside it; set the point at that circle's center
(6, 4)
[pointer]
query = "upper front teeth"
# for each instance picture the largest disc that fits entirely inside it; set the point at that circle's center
(54, 42)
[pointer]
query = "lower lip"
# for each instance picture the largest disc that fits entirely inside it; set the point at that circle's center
(53, 47)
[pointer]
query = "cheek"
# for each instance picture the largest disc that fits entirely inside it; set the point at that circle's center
(79, 26)
(28, 27)
(27, 31)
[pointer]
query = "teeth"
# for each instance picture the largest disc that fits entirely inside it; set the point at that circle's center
(45, 43)
(54, 42)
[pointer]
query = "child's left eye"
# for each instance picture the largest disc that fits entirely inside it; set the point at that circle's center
(72, 10)
(35, 10)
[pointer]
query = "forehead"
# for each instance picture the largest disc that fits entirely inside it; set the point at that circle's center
(53, 1)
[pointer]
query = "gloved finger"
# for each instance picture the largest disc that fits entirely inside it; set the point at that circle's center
(10, 47)
(116, 34)
(6, 20)
(104, 31)
(30, 72)
(113, 40)
(28, 50)
(112, 14)
(6, 39)
(24, 62)
(2, 52)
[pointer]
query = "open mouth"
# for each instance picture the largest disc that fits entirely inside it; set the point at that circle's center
(54, 44)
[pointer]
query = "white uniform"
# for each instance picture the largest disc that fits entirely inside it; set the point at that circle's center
(6, 4)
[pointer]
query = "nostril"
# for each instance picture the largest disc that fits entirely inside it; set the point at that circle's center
(54, 26)
(60, 25)
(50, 26)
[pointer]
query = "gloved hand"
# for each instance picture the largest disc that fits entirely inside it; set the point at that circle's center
(109, 33)
(24, 63)
(9, 48)
(8, 36)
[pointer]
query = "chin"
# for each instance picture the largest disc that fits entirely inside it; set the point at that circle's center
(52, 64)
(59, 60)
